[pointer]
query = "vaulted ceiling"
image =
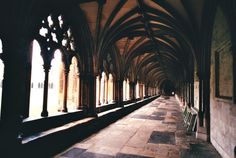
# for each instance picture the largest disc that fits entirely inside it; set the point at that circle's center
(155, 38)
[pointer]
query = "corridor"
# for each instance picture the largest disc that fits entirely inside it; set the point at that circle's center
(155, 130)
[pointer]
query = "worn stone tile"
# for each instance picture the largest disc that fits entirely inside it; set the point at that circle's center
(111, 151)
(73, 153)
(162, 137)
(155, 130)
(132, 150)
(83, 145)
(122, 155)
(94, 155)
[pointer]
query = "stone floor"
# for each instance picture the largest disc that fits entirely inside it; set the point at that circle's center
(155, 130)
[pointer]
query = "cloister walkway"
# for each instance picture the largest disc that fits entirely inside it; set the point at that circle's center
(155, 130)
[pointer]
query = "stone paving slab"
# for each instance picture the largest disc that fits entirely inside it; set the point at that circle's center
(153, 131)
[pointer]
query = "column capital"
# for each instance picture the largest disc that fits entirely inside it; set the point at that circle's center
(46, 67)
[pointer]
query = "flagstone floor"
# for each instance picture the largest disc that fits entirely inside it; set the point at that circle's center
(154, 131)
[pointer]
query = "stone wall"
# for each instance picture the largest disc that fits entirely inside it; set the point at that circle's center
(222, 109)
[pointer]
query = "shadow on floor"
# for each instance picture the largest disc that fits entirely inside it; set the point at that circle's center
(200, 150)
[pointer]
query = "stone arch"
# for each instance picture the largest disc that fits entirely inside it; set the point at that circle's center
(73, 85)
(56, 86)
(37, 80)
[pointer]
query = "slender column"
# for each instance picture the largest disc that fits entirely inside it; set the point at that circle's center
(112, 89)
(106, 89)
(79, 92)
(144, 95)
(102, 90)
(98, 87)
(124, 90)
(128, 89)
(44, 113)
(65, 91)
(137, 90)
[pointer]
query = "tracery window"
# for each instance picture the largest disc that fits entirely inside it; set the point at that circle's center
(57, 46)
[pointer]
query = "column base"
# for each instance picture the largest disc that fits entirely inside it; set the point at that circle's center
(44, 114)
(92, 114)
(64, 110)
(202, 134)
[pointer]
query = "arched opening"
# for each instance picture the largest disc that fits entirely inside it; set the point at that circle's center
(102, 92)
(124, 90)
(127, 90)
(98, 90)
(110, 89)
(72, 97)
(1, 78)
(137, 90)
(37, 81)
(144, 91)
(55, 89)
(168, 87)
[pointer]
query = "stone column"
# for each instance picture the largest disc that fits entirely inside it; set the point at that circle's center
(132, 90)
(78, 92)
(137, 90)
(144, 95)
(90, 94)
(111, 89)
(44, 113)
(102, 89)
(106, 89)
(98, 89)
(119, 92)
(124, 90)
(64, 109)
(203, 120)
(14, 85)
(128, 89)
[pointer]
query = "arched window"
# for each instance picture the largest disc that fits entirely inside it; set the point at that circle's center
(37, 78)
(55, 98)
(1, 78)
(72, 97)
(54, 33)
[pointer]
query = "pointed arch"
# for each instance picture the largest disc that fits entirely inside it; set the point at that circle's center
(73, 85)
(37, 81)
(55, 90)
